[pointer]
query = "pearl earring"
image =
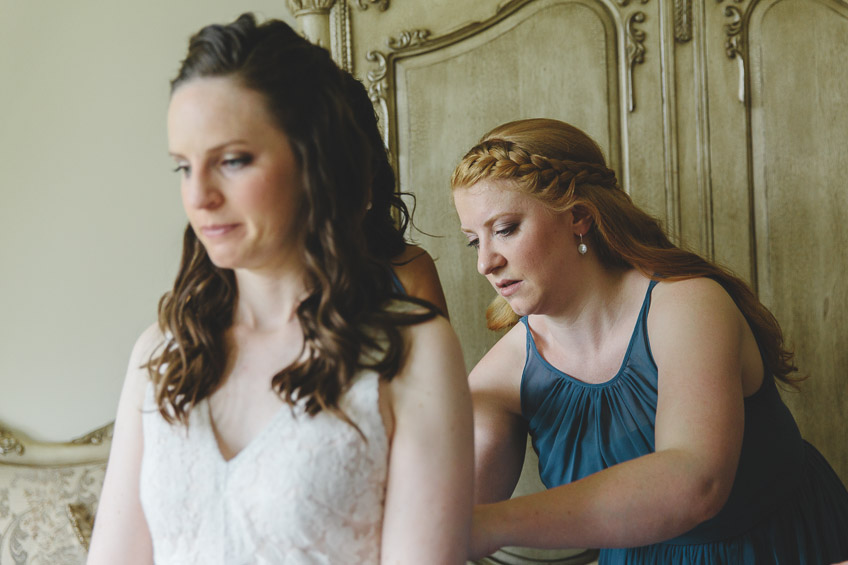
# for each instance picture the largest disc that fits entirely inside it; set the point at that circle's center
(582, 249)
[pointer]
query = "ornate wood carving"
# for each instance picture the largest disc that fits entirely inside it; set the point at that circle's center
(682, 20)
(327, 23)
(340, 41)
(734, 44)
(303, 7)
(408, 39)
(96, 437)
(382, 5)
(408, 42)
(411, 42)
(635, 52)
(377, 88)
(10, 444)
(313, 17)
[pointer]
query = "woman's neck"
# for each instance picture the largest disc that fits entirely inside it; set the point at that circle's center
(267, 302)
(597, 306)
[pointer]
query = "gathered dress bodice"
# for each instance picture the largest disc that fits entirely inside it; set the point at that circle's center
(785, 499)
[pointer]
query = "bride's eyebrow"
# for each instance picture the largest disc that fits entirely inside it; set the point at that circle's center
(214, 149)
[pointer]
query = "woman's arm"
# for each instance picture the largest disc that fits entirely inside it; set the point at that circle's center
(429, 493)
(500, 433)
(120, 529)
(419, 277)
(696, 333)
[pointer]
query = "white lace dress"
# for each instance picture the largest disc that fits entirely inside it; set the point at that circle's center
(306, 490)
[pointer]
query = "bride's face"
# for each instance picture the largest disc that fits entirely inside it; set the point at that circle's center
(239, 178)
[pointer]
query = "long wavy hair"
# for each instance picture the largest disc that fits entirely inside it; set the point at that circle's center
(387, 217)
(345, 322)
(563, 168)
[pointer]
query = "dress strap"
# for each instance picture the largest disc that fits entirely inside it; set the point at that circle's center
(397, 286)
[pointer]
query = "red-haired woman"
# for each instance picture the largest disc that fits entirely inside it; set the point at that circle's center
(644, 374)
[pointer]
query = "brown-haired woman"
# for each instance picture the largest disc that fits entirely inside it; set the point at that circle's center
(285, 409)
(644, 374)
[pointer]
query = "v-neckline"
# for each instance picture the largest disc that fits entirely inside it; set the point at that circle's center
(250, 446)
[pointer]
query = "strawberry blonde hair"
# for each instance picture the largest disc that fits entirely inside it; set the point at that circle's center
(563, 168)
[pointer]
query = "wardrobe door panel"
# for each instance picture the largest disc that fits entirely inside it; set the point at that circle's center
(799, 141)
(779, 139)
(447, 99)
(591, 63)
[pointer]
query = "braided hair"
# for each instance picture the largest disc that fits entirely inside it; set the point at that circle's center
(562, 167)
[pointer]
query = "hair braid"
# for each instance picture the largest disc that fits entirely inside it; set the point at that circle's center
(498, 159)
(564, 168)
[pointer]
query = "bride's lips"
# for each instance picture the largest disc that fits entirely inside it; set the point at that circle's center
(507, 287)
(217, 230)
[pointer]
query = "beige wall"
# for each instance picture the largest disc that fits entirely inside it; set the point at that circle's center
(90, 218)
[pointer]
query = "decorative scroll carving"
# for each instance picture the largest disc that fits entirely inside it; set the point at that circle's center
(378, 84)
(327, 23)
(635, 52)
(10, 444)
(303, 7)
(734, 42)
(408, 43)
(407, 39)
(412, 41)
(682, 20)
(382, 5)
(377, 88)
(734, 45)
(96, 437)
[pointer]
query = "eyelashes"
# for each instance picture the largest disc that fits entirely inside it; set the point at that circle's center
(236, 162)
(501, 232)
(229, 163)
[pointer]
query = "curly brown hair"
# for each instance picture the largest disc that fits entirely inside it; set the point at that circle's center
(562, 167)
(345, 320)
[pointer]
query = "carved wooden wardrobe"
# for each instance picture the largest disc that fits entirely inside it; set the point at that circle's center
(727, 119)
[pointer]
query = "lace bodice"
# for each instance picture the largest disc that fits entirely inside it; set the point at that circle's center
(306, 490)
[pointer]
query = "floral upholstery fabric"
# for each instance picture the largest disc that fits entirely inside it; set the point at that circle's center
(45, 512)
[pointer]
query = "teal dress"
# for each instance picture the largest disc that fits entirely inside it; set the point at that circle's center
(786, 506)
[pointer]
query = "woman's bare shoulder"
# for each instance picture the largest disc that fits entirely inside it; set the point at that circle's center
(432, 345)
(417, 272)
(695, 317)
(508, 353)
(679, 298)
(149, 343)
(497, 376)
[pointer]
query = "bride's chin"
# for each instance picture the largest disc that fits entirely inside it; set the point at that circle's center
(220, 261)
